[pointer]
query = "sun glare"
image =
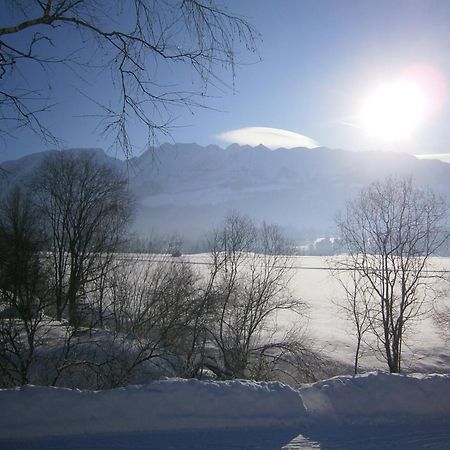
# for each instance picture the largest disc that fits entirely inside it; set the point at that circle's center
(394, 110)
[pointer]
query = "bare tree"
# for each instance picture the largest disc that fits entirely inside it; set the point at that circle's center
(86, 206)
(389, 232)
(151, 306)
(144, 44)
(24, 289)
(355, 305)
(248, 283)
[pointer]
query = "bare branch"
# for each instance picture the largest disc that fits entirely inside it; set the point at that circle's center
(136, 44)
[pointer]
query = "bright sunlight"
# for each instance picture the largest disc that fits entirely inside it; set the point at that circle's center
(394, 110)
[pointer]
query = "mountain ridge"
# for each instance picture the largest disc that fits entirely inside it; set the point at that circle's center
(187, 188)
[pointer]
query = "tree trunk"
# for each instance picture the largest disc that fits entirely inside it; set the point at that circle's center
(358, 347)
(72, 298)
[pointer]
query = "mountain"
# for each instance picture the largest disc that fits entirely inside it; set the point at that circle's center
(186, 188)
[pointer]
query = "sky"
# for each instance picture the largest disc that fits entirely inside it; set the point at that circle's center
(337, 73)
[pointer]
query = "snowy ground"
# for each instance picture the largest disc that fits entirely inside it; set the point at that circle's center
(371, 411)
(427, 348)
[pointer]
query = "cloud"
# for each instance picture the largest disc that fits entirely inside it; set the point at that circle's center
(269, 137)
(445, 157)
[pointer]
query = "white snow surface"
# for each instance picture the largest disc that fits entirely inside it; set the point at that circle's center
(172, 404)
(378, 397)
(427, 345)
(177, 404)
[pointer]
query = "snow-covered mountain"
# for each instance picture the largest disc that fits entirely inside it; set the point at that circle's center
(186, 188)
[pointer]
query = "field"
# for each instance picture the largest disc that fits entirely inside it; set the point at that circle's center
(427, 348)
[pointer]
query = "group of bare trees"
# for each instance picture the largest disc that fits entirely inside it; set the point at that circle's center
(24, 287)
(221, 319)
(390, 231)
(86, 206)
(249, 287)
(75, 312)
(58, 231)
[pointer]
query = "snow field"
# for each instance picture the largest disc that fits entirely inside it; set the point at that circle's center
(427, 348)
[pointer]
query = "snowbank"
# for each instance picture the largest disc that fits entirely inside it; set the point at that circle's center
(177, 404)
(379, 397)
(172, 404)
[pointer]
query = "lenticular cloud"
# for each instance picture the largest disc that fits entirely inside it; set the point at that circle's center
(269, 137)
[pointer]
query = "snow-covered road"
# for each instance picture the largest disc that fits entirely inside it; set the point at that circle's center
(258, 439)
(374, 437)
(388, 436)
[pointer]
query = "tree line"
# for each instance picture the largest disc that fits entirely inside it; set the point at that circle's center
(76, 313)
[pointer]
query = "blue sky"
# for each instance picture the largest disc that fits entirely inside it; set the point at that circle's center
(319, 60)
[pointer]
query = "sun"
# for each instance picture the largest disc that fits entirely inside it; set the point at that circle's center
(394, 110)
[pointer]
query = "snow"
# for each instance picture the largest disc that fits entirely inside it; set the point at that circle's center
(192, 414)
(427, 348)
(172, 404)
(370, 411)
(379, 397)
